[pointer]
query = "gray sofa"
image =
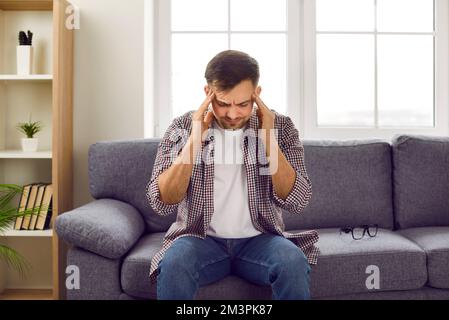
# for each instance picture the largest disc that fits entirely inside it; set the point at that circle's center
(402, 185)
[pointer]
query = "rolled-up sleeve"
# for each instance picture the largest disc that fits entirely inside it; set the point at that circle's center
(293, 150)
(168, 150)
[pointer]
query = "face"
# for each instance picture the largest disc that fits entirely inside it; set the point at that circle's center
(233, 108)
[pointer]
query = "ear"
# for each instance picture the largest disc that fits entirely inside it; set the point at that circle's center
(258, 90)
(206, 89)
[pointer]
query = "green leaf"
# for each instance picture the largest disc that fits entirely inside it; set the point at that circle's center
(7, 193)
(30, 128)
(8, 215)
(14, 260)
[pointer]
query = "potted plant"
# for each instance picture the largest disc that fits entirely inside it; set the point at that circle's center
(8, 214)
(30, 144)
(25, 53)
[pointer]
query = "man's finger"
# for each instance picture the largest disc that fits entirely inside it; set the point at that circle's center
(259, 113)
(259, 102)
(208, 118)
(207, 101)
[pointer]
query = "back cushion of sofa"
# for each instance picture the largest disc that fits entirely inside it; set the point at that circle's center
(121, 170)
(351, 184)
(421, 180)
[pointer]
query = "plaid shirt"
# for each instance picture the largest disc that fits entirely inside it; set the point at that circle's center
(195, 211)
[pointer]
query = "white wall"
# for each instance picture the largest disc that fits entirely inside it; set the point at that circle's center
(109, 80)
(149, 59)
(2, 37)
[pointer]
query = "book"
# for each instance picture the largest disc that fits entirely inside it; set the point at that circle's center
(22, 205)
(30, 206)
(44, 217)
(39, 197)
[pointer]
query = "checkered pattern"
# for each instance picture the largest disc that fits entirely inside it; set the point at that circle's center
(194, 212)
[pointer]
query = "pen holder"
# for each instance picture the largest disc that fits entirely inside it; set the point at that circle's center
(24, 60)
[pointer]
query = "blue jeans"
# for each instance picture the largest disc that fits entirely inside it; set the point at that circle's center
(265, 259)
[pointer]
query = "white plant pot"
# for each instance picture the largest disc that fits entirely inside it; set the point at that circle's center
(24, 60)
(30, 145)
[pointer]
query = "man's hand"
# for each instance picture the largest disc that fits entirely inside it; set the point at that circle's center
(174, 181)
(201, 121)
(265, 115)
(282, 173)
(266, 123)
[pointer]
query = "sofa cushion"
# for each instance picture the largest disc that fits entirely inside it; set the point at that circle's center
(106, 227)
(134, 276)
(421, 181)
(121, 170)
(344, 264)
(351, 184)
(435, 242)
(341, 267)
(135, 281)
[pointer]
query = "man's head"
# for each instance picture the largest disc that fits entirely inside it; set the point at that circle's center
(234, 77)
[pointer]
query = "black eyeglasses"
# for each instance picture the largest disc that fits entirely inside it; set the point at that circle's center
(359, 232)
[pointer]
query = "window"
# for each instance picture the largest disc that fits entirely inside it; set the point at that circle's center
(341, 69)
(375, 68)
(192, 32)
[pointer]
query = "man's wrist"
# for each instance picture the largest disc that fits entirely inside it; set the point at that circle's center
(269, 140)
(195, 145)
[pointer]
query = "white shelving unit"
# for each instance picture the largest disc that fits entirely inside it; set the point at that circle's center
(45, 95)
(33, 77)
(21, 96)
(19, 154)
(28, 233)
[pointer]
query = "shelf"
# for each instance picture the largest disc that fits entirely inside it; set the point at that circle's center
(27, 294)
(18, 154)
(28, 233)
(26, 5)
(32, 77)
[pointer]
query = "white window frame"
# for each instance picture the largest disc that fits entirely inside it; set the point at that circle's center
(301, 74)
(162, 115)
(441, 85)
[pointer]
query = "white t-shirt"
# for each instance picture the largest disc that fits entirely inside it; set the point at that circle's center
(231, 217)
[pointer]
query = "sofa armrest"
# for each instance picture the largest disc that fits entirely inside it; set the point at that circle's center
(106, 227)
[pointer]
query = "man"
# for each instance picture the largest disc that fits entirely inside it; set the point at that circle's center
(229, 213)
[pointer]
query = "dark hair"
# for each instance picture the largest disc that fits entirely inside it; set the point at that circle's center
(229, 68)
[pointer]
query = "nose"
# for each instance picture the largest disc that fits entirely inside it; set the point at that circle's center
(232, 113)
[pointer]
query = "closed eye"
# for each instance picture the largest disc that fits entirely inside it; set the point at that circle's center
(223, 104)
